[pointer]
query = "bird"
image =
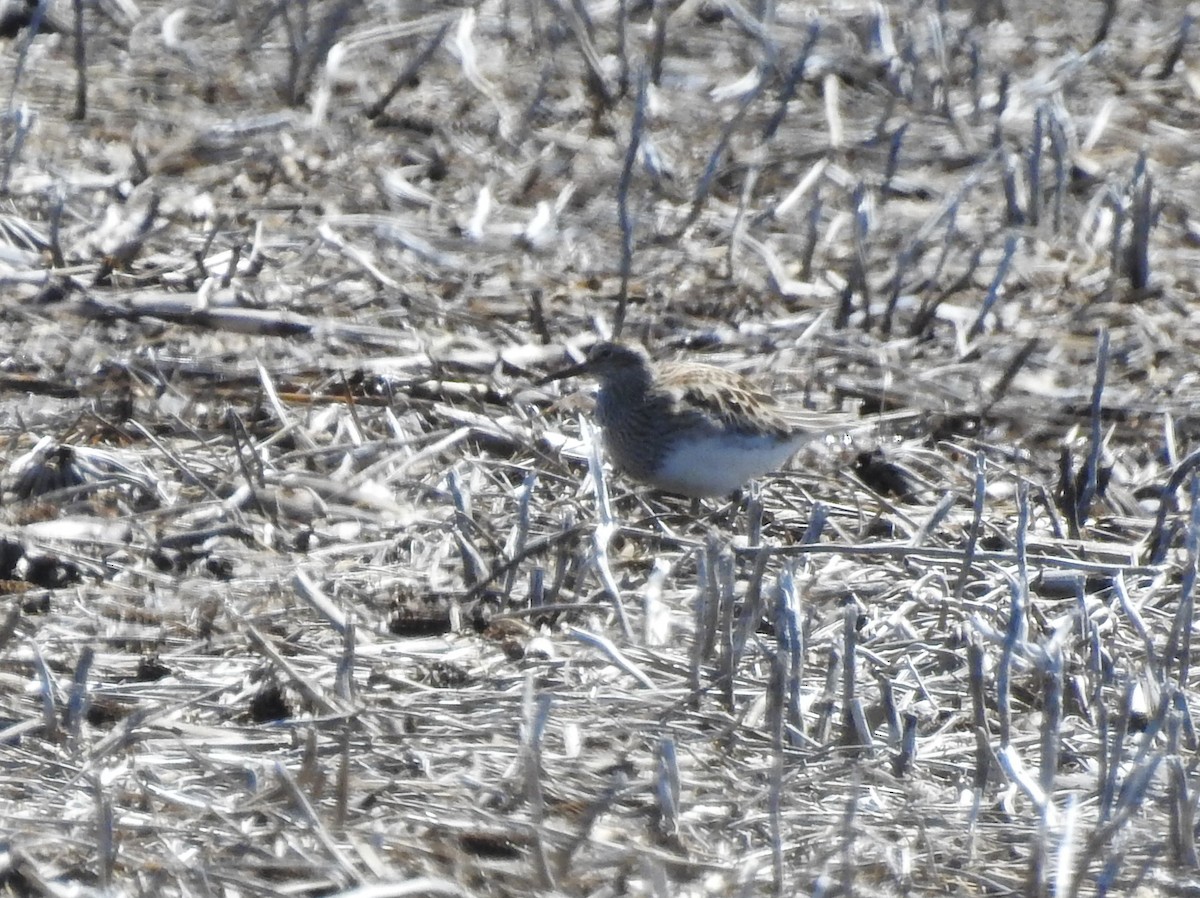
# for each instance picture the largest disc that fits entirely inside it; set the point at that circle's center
(689, 428)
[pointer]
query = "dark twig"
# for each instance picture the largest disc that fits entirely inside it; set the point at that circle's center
(715, 157)
(1061, 151)
(993, 294)
(575, 16)
(1137, 258)
(1179, 643)
(1086, 491)
(1010, 372)
(1013, 216)
(624, 219)
(980, 493)
(1175, 53)
(795, 75)
(658, 44)
(1106, 20)
(81, 91)
(1034, 207)
(409, 72)
(1159, 537)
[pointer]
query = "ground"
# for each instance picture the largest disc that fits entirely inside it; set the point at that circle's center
(307, 587)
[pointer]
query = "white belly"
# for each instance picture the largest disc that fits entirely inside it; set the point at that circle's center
(716, 466)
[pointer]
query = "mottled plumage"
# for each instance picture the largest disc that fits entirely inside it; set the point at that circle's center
(689, 428)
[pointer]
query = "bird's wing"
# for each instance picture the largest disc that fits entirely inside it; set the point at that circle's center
(737, 402)
(741, 405)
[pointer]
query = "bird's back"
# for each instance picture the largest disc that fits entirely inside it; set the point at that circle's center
(726, 400)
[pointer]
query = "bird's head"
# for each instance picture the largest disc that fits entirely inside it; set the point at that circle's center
(607, 361)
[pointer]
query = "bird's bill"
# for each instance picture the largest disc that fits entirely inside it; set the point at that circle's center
(572, 371)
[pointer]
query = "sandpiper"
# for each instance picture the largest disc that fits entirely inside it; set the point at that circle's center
(688, 428)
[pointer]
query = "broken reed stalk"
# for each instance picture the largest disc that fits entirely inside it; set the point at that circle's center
(725, 656)
(605, 528)
(703, 611)
(409, 72)
(1182, 835)
(906, 757)
(857, 284)
(666, 790)
(1034, 206)
(795, 74)
(993, 294)
(1051, 730)
(79, 698)
(473, 565)
(1179, 643)
(1014, 217)
(1004, 673)
(1160, 536)
(79, 113)
(751, 612)
(1088, 489)
(848, 835)
(978, 689)
(658, 43)
(1137, 259)
(854, 731)
(704, 185)
(1060, 148)
(536, 715)
(624, 216)
(778, 712)
(519, 537)
(791, 647)
(979, 497)
(1175, 52)
(891, 715)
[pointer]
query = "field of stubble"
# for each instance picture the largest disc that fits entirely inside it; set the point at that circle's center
(307, 590)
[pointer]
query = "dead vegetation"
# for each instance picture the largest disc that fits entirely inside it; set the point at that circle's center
(307, 591)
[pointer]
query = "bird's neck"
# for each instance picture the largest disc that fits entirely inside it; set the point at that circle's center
(630, 384)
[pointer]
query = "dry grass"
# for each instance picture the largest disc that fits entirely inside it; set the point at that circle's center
(307, 591)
